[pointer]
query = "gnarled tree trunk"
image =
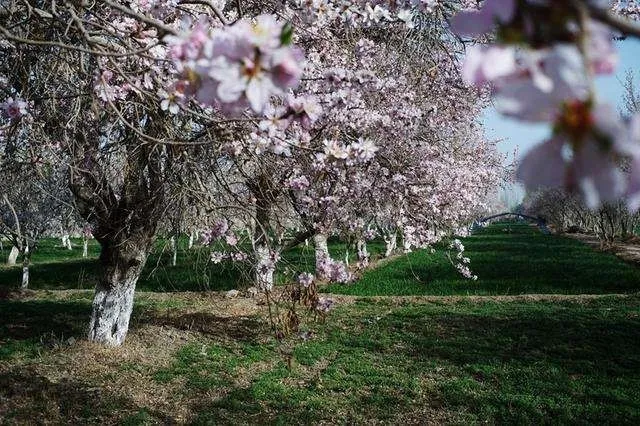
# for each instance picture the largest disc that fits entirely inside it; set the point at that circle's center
(322, 251)
(122, 265)
(265, 268)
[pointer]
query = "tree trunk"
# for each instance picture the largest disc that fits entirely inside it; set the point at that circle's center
(174, 251)
(66, 242)
(85, 247)
(406, 245)
(391, 242)
(113, 300)
(26, 257)
(192, 237)
(265, 268)
(322, 251)
(363, 253)
(13, 256)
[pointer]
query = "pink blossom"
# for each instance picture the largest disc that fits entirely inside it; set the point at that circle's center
(547, 80)
(231, 239)
(305, 279)
(299, 183)
(486, 63)
(238, 66)
(324, 305)
(13, 109)
(477, 22)
(217, 257)
(306, 110)
(583, 155)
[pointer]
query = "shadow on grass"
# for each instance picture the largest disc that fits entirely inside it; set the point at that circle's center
(35, 399)
(490, 362)
(498, 363)
(239, 329)
(27, 327)
(191, 274)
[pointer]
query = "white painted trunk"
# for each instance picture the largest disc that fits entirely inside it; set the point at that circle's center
(85, 248)
(193, 235)
(265, 268)
(112, 309)
(113, 299)
(174, 251)
(322, 249)
(25, 276)
(363, 253)
(406, 245)
(391, 242)
(66, 242)
(25, 267)
(13, 256)
(346, 257)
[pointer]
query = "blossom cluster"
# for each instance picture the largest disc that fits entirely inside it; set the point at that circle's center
(461, 261)
(13, 108)
(238, 66)
(334, 270)
(543, 73)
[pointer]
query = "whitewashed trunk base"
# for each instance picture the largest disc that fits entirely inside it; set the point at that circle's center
(111, 312)
(174, 251)
(391, 243)
(265, 269)
(363, 253)
(25, 277)
(13, 256)
(322, 251)
(26, 258)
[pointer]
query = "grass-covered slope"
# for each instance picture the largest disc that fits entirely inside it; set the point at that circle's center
(509, 258)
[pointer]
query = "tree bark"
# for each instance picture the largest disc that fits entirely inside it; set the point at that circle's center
(13, 256)
(363, 253)
(174, 251)
(265, 268)
(113, 301)
(66, 242)
(85, 247)
(391, 242)
(322, 251)
(192, 237)
(26, 258)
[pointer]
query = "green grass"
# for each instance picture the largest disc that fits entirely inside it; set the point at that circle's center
(509, 258)
(460, 362)
(487, 362)
(54, 267)
(396, 361)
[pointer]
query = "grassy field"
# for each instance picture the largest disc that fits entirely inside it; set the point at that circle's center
(509, 258)
(55, 267)
(199, 358)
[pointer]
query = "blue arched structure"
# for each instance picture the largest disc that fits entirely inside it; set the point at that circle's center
(542, 224)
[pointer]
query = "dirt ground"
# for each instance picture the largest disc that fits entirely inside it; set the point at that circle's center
(627, 251)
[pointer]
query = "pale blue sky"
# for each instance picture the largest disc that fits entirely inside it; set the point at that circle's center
(517, 135)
